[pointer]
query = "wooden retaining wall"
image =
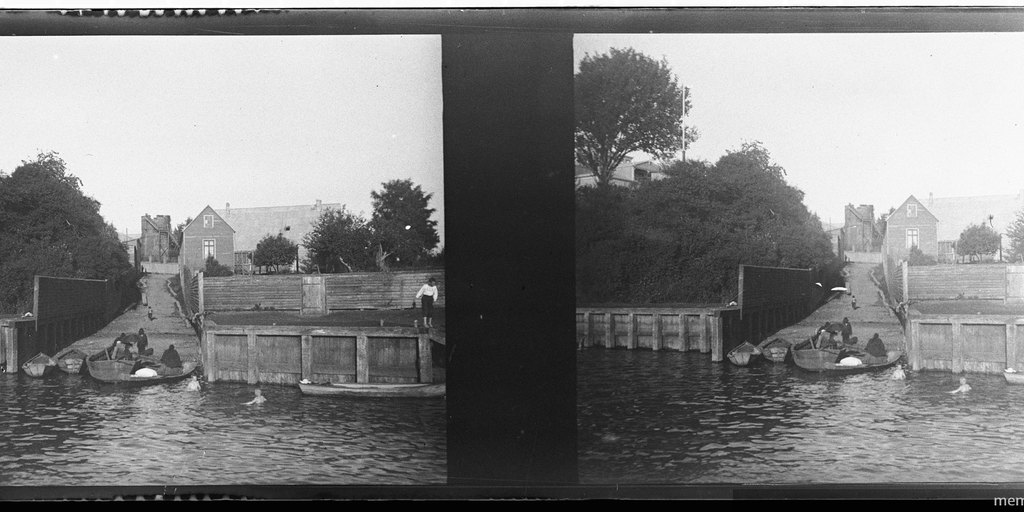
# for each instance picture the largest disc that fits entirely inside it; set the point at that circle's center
(287, 354)
(654, 328)
(357, 290)
(65, 311)
(966, 343)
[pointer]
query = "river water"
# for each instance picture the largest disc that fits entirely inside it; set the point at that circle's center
(649, 417)
(68, 430)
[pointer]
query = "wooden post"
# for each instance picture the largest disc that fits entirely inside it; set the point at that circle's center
(716, 338)
(9, 335)
(656, 343)
(609, 330)
(684, 333)
(307, 356)
(913, 349)
(251, 360)
(362, 358)
(210, 362)
(425, 359)
(587, 336)
(631, 332)
(705, 346)
(906, 281)
(202, 297)
(958, 347)
(1011, 345)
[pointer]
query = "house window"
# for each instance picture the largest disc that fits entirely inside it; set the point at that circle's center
(207, 221)
(911, 210)
(912, 238)
(209, 249)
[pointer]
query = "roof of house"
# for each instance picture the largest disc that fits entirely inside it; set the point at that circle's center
(955, 214)
(252, 224)
(201, 213)
(901, 211)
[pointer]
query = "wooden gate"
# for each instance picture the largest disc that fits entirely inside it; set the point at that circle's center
(314, 295)
(1015, 284)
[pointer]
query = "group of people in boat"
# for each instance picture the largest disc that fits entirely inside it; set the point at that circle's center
(131, 346)
(874, 346)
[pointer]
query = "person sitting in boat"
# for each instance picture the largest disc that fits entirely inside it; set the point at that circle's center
(259, 399)
(964, 387)
(171, 359)
(875, 347)
(119, 350)
(847, 331)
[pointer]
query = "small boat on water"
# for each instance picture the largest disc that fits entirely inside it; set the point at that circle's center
(127, 372)
(39, 365)
(827, 360)
(374, 390)
(1013, 377)
(70, 360)
(775, 350)
(743, 354)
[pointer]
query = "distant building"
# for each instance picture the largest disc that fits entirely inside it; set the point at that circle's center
(155, 241)
(838, 238)
(908, 226)
(207, 235)
(861, 230)
(253, 224)
(627, 174)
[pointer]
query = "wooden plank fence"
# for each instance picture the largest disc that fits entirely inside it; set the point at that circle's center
(356, 290)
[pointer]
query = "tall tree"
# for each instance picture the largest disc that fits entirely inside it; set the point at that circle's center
(627, 102)
(681, 239)
(404, 235)
(977, 240)
(339, 242)
(1015, 235)
(49, 227)
(177, 237)
(275, 251)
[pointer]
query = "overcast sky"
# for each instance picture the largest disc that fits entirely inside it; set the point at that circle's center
(167, 125)
(855, 118)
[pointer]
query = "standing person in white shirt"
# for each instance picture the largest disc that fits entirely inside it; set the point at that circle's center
(428, 292)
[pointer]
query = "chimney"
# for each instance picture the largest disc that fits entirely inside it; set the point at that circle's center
(227, 209)
(931, 198)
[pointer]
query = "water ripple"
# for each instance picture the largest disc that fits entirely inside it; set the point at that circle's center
(678, 418)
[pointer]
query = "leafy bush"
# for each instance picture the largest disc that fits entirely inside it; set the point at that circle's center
(215, 269)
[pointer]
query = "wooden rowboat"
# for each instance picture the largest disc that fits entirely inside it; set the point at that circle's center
(39, 365)
(775, 350)
(1014, 377)
(70, 360)
(375, 390)
(824, 360)
(119, 371)
(743, 354)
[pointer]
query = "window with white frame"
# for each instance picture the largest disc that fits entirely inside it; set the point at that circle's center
(207, 221)
(913, 238)
(209, 249)
(911, 210)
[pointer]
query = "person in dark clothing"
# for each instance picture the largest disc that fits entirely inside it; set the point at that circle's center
(142, 343)
(875, 347)
(171, 359)
(847, 331)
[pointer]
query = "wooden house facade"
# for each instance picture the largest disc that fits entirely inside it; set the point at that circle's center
(908, 226)
(207, 235)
